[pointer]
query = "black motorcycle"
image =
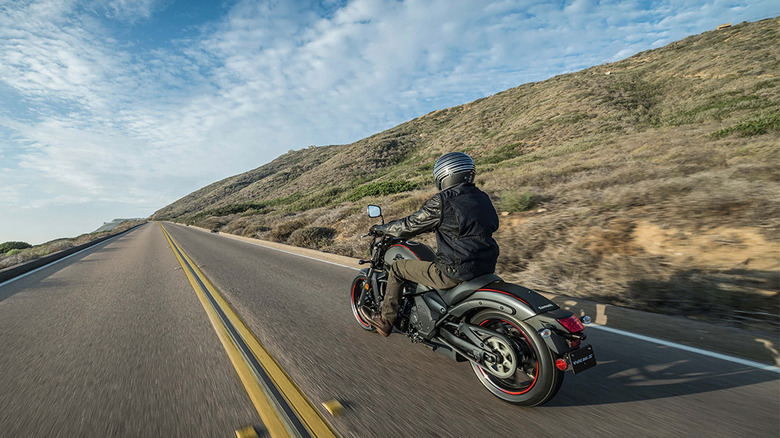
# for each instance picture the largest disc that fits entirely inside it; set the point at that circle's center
(518, 342)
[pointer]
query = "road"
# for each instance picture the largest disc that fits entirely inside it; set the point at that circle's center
(114, 341)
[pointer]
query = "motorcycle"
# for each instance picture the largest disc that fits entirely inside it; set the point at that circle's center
(519, 343)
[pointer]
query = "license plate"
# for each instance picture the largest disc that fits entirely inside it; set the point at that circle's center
(582, 359)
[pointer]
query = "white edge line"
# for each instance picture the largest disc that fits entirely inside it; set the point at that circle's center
(736, 360)
(57, 261)
(720, 356)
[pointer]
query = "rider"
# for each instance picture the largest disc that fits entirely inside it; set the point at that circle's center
(464, 221)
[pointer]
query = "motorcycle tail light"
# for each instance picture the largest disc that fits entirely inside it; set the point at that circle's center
(572, 324)
(561, 364)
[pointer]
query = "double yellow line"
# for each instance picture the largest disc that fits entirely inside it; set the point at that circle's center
(283, 408)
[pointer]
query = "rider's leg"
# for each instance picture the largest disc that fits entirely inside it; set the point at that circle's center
(425, 273)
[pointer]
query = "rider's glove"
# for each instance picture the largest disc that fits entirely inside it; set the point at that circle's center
(375, 230)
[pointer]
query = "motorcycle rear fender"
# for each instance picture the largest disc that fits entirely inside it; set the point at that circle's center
(507, 297)
(490, 301)
(549, 320)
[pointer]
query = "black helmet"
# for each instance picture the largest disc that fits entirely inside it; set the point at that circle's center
(452, 169)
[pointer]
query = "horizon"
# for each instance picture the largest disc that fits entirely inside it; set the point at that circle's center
(115, 111)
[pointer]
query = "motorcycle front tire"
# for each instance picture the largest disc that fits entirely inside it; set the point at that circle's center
(360, 296)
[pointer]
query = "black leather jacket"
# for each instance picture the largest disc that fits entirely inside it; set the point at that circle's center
(464, 220)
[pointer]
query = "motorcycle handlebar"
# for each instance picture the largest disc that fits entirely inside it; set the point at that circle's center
(372, 232)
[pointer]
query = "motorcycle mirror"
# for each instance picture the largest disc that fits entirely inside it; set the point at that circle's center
(374, 211)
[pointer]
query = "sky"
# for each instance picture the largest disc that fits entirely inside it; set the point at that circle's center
(116, 108)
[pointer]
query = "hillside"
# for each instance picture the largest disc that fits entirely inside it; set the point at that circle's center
(651, 182)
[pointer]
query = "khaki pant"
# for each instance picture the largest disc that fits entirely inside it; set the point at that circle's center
(425, 273)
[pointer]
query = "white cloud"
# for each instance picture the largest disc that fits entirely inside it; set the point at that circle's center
(129, 10)
(579, 8)
(54, 58)
(10, 193)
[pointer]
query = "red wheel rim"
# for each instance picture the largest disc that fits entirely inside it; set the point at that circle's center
(536, 374)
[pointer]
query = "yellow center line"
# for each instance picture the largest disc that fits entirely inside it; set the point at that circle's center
(304, 409)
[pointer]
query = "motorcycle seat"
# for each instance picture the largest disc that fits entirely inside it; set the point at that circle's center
(463, 290)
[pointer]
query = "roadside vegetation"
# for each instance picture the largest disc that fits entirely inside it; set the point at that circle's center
(6, 247)
(650, 183)
(20, 252)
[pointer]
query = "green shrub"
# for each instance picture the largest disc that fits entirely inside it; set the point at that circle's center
(383, 188)
(260, 207)
(13, 252)
(225, 211)
(516, 201)
(318, 199)
(8, 246)
(749, 128)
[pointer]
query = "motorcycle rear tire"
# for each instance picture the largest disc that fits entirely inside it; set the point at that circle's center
(536, 379)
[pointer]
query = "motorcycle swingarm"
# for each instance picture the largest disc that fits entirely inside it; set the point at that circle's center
(474, 342)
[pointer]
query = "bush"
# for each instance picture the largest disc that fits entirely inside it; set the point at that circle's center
(254, 230)
(8, 246)
(515, 201)
(283, 231)
(503, 153)
(235, 209)
(13, 252)
(312, 237)
(258, 207)
(383, 188)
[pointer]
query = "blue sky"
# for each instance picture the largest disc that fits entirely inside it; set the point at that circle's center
(116, 108)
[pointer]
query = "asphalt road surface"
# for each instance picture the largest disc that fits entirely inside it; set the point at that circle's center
(114, 342)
